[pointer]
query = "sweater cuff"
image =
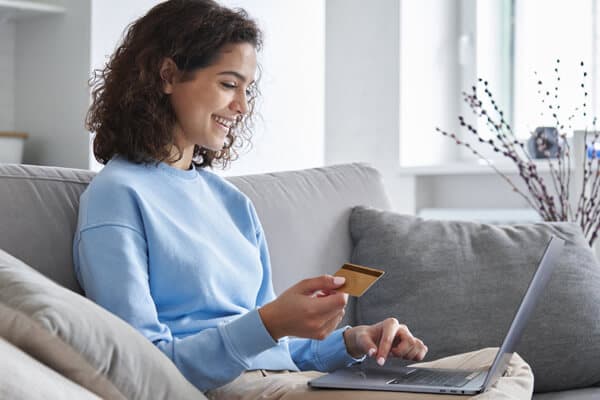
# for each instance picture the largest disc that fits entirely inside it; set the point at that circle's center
(332, 351)
(246, 336)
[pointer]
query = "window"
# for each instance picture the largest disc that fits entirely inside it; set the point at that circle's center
(505, 42)
(546, 31)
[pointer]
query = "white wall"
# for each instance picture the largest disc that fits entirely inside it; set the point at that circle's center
(362, 82)
(362, 95)
(291, 135)
(109, 20)
(291, 132)
(52, 56)
(7, 76)
(430, 78)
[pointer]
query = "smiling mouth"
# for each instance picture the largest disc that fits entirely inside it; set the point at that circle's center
(223, 123)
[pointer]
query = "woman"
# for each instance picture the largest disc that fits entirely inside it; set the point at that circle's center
(177, 251)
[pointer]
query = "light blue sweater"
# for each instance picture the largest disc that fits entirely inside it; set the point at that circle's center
(182, 257)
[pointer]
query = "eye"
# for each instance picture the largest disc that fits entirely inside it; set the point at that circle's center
(229, 85)
(234, 85)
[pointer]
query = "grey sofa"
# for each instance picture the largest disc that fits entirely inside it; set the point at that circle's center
(305, 215)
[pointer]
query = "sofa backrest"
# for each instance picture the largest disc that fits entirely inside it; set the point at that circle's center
(305, 215)
(38, 216)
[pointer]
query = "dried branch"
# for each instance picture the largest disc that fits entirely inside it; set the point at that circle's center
(505, 142)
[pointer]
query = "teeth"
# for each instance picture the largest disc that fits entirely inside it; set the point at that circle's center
(226, 122)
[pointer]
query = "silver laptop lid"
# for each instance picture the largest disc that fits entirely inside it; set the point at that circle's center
(537, 285)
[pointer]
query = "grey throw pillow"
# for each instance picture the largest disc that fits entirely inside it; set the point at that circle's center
(22, 377)
(457, 286)
(29, 336)
(132, 363)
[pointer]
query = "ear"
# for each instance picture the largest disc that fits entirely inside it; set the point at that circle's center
(168, 74)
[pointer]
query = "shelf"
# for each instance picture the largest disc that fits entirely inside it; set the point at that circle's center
(21, 135)
(13, 10)
(469, 168)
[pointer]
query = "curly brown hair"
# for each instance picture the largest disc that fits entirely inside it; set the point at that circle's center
(130, 114)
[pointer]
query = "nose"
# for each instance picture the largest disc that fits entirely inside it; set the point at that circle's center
(240, 103)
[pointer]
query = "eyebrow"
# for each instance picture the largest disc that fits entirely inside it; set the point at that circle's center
(236, 74)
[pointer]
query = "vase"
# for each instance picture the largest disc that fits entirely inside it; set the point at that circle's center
(543, 142)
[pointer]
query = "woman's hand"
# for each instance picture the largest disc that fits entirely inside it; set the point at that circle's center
(382, 339)
(309, 309)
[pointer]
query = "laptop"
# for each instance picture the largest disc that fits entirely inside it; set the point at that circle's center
(450, 381)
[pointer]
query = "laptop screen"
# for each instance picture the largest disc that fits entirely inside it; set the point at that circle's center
(538, 283)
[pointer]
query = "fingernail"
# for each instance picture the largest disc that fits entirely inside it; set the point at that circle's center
(338, 280)
(381, 361)
(371, 352)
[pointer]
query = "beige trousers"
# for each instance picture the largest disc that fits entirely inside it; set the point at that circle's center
(517, 384)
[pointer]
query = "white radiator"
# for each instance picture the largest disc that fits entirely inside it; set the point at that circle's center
(486, 215)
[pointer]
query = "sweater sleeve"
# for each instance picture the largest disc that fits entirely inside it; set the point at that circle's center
(266, 293)
(112, 266)
(322, 355)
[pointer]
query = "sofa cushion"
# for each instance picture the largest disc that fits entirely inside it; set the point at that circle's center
(592, 393)
(39, 215)
(457, 286)
(24, 378)
(133, 364)
(29, 336)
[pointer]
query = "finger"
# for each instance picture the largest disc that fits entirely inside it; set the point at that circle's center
(405, 342)
(421, 350)
(402, 349)
(330, 304)
(324, 315)
(333, 314)
(413, 352)
(389, 331)
(329, 326)
(417, 353)
(323, 293)
(323, 282)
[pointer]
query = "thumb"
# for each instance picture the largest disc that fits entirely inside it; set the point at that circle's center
(323, 282)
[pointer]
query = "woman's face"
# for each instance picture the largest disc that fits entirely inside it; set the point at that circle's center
(207, 105)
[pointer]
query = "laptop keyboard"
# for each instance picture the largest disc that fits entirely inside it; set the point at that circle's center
(430, 377)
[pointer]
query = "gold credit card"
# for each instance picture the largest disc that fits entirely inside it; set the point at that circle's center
(358, 278)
